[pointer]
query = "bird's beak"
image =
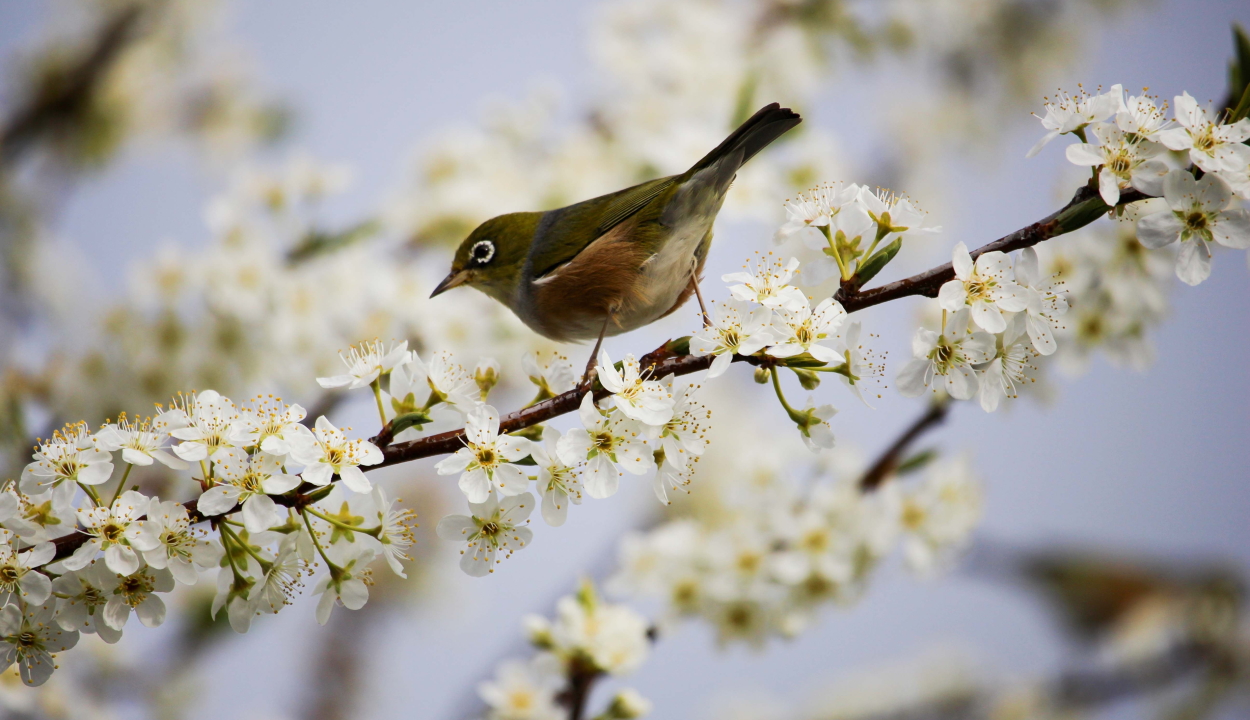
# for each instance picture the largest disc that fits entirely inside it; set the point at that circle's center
(453, 279)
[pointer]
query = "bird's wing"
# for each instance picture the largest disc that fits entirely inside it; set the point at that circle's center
(566, 232)
(630, 200)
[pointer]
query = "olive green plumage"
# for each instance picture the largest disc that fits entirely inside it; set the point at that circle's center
(616, 262)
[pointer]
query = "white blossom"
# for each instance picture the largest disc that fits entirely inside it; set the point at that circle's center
(179, 548)
(800, 331)
(272, 425)
(137, 591)
(555, 377)
(987, 287)
(140, 441)
(523, 691)
(71, 455)
(736, 329)
(448, 380)
(366, 363)
(1047, 301)
(604, 443)
(633, 392)
(558, 484)
(1142, 116)
(894, 214)
(280, 581)
(203, 422)
(613, 637)
(938, 517)
(18, 576)
(347, 584)
(807, 211)
(815, 429)
(249, 481)
(768, 285)
(1005, 371)
(328, 452)
(485, 463)
(395, 534)
(1198, 213)
(858, 363)
(117, 531)
(948, 356)
(81, 597)
(1211, 146)
(31, 639)
(1072, 113)
(1123, 160)
(492, 527)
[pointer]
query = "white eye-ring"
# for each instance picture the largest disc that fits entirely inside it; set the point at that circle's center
(482, 251)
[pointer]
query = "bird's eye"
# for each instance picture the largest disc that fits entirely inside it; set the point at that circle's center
(482, 251)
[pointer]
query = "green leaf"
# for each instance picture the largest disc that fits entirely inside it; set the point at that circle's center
(802, 360)
(1239, 74)
(917, 461)
(408, 420)
(679, 346)
(533, 432)
(873, 265)
(317, 242)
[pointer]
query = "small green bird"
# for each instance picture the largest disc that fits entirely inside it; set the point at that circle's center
(617, 262)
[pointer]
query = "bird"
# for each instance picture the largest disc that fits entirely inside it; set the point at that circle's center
(617, 262)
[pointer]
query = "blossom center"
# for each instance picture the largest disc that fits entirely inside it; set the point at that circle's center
(112, 532)
(26, 641)
(9, 575)
(604, 442)
(1196, 221)
(979, 289)
(1120, 163)
(487, 457)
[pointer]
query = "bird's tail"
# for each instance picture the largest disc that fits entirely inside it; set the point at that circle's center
(765, 126)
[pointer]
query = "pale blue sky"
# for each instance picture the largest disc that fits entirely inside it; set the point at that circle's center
(1152, 462)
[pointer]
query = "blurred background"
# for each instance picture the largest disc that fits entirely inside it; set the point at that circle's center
(225, 194)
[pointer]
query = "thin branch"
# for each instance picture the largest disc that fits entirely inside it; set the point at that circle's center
(581, 680)
(76, 89)
(1085, 207)
(888, 462)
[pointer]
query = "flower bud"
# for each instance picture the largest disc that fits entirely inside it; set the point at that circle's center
(539, 631)
(486, 375)
(628, 704)
(761, 375)
(807, 378)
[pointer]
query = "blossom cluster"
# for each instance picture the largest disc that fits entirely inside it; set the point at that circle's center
(587, 639)
(785, 553)
(996, 317)
(1131, 143)
(260, 475)
(771, 319)
(642, 426)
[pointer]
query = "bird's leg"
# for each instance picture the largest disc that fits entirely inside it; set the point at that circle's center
(587, 378)
(694, 281)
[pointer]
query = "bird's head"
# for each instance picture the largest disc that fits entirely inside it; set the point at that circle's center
(492, 257)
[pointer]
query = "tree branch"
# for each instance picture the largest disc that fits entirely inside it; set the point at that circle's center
(65, 100)
(888, 462)
(1085, 207)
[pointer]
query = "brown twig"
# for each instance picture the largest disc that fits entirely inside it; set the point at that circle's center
(888, 462)
(1085, 207)
(56, 103)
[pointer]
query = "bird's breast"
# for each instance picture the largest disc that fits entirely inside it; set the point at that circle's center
(618, 280)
